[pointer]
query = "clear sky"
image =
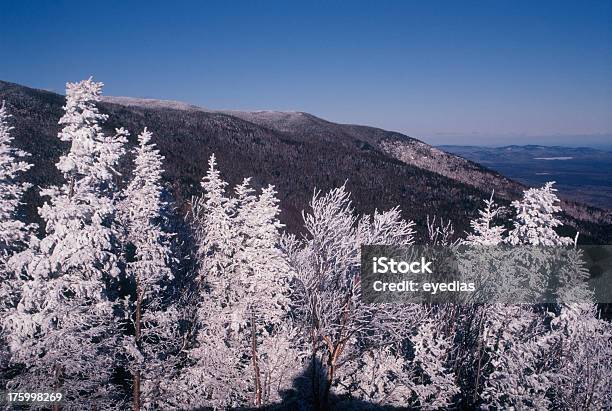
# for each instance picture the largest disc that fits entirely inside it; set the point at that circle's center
(459, 72)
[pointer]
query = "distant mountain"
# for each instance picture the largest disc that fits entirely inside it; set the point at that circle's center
(151, 103)
(582, 174)
(297, 152)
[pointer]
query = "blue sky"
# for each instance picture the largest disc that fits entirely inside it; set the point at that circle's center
(463, 72)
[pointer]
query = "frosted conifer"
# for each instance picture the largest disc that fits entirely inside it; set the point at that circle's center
(64, 330)
(244, 302)
(484, 231)
(156, 335)
(14, 234)
(536, 218)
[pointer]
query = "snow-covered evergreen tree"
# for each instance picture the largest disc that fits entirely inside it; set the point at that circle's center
(583, 342)
(518, 346)
(204, 379)
(64, 331)
(543, 360)
(436, 386)
(156, 334)
(262, 302)
(507, 342)
(242, 325)
(484, 230)
(582, 355)
(14, 234)
(215, 236)
(379, 377)
(535, 219)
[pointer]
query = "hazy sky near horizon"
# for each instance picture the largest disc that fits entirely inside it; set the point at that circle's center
(462, 72)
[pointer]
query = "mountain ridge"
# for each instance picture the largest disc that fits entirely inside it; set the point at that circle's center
(295, 156)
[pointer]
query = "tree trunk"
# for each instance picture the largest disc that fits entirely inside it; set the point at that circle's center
(479, 364)
(316, 394)
(137, 332)
(71, 187)
(331, 369)
(255, 361)
(136, 392)
(57, 383)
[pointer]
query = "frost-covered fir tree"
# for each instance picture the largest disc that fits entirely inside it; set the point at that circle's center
(518, 347)
(261, 302)
(63, 331)
(582, 353)
(436, 385)
(215, 236)
(203, 379)
(512, 349)
(242, 325)
(467, 321)
(484, 230)
(543, 360)
(156, 336)
(14, 234)
(503, 341)
(536, 218)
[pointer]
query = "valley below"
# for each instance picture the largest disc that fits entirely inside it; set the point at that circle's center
(581, 174)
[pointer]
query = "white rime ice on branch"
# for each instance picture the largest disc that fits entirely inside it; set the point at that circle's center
(242, 322)
(64, 331)
(14, 234)
(583, 344)
(583, 349)
(349, 341)
(213, 365)
(436, 386)
(156, 333)
(387, 376)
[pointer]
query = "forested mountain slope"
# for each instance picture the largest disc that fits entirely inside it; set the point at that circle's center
(296, 152)
(399, 146)
(414, 152)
